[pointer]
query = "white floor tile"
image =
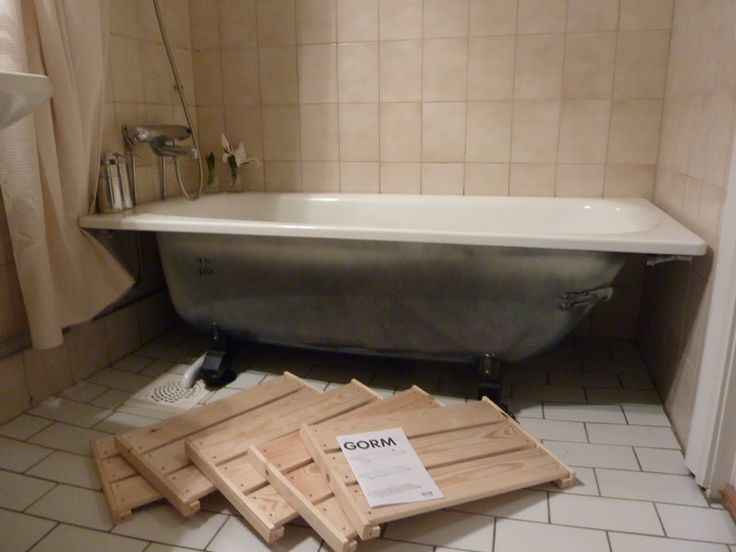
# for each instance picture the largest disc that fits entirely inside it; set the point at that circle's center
(24, 426)
(604, 413)
(705, 524)
(646, 414)
(585, 483)
(17, 491)
(236, 536)
(76, 506)
(555, 430)
(163, 524)
(132, 363)
(383, 545)
(637, 380)
(586, 379)
(66, 537)
(444, 528)
(594, 456)
(246, 380)
(639, 436)
(525, 408)
(220, 394)
(19, 456)
(536, 375)
(614, 366)
(623, 542)
(19, 532)
(662, 460)
(63, 467)
(524, 505)
(68, 438)
(121, 380)
(122, 421)
(112, 398)
(84, 391)
(520, 536)
(557, 393)
(657, 487)
(160, 367)
(604, 513)
(155, 547)
(71, 412)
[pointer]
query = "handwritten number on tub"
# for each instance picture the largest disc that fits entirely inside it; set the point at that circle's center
(204, 267)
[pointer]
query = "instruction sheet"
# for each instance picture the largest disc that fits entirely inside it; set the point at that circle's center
(387, 467)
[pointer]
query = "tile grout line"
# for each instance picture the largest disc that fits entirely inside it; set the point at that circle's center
(42, 537)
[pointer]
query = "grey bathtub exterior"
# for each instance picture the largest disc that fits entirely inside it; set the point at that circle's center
(452, 302)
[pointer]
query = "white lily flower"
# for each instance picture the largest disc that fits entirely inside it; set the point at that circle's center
(224, 142)
(240, 156)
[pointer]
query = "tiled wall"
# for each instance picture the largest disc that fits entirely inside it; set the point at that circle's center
(141, 85)
(692, 174)
(520, 97)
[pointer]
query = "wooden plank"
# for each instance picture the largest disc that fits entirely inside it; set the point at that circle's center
(175, 477)
(729, 500)
(469, 455)
(301, 483)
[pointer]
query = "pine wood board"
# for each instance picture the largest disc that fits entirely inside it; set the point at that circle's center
(502, 457)
(125, 489)
(729, 500)
(157, 452)
(296, 486)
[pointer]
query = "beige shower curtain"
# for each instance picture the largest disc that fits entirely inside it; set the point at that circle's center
(50, 164)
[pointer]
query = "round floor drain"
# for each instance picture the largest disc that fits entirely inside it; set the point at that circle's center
(171, 392)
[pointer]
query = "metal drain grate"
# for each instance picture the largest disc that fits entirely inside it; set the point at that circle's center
(166, 396)
(171, 392)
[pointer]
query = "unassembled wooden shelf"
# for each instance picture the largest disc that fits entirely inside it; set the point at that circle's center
(268, 505)
(472, 451)
(254, 415)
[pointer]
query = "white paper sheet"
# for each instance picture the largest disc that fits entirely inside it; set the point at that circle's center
(387, 467)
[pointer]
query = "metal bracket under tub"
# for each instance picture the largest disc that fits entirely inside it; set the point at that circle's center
(654, 260)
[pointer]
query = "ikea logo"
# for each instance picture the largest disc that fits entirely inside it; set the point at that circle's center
(370, 444)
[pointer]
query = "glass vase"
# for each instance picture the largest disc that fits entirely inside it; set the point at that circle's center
(235, 182)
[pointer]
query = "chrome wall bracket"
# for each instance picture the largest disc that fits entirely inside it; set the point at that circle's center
(654, 260)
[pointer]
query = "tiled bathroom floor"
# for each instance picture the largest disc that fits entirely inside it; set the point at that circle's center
(592, 403)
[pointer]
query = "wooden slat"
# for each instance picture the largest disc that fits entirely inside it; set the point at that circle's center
(176, 478)
(468, 454)
(302, 484)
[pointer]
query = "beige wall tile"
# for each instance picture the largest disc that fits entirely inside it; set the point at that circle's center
(158, 86)
(125, 69)
(237, 23)
(492, 17)
(641, 63)
(156, 315)
(443, 131)
(278, 75)
(211, 125)
(589, 65)
(14, 397)
(47, 371)
(147, 24)
(487, 179)
(579, 180)
(584, 131)
(592, 15)
(442, 178)
(401, 71)
(357, 72)
(535, 131)
(630, 181)
(283, 176)
(488, 135)
(357, 20)
(401, 132)
(281, 133)
(320, 177)
(319, 134)
(359, 178)
(315, 21)
(88, 348)
(542, 16)
(317, 73)
(176, 20)
(243, 124)
(634, 137)
(491, 68)
(651, 14)
(205, 24)
(444, 69)
(123, 17)
(122, 331)
(401, 178)
(538, 73)
(8, 321)
(207, 67)
(721, 108)
(358, 132)
(276, 22)
(532, 180)
(445, 18)
(240, 84)
(400, 19)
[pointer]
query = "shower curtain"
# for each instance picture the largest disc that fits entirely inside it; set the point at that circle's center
(50, 164)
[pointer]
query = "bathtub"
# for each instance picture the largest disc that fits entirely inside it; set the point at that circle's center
(447, 277)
